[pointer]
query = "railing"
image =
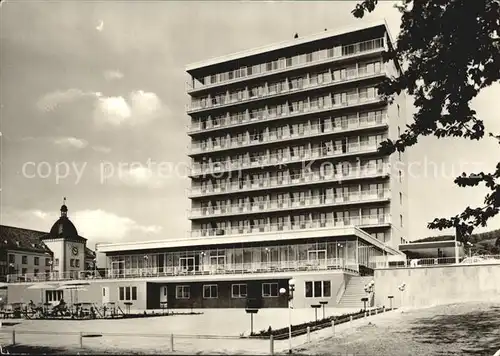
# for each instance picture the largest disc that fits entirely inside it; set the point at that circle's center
(222, 143)
(284, 181)
(438, 261)
(279, 205)
(282, 158)
(231, 121)
(325, 55)
(284, 227)
(197, 270)
(305, 84)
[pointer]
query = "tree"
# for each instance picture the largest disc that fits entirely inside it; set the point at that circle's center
(451, 51)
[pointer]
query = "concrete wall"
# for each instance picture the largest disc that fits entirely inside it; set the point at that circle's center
(427, 286)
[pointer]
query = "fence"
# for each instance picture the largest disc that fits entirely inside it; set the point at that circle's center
(430, 262)
(156, 343)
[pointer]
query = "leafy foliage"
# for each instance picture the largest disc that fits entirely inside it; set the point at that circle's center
(451, 51)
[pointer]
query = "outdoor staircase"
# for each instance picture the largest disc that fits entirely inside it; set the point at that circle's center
(354, 291)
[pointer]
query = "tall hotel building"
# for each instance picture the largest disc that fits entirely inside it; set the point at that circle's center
(286, 181)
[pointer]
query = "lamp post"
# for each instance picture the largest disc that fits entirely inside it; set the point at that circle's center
(291, 289)
(251, 311)
(323, 303)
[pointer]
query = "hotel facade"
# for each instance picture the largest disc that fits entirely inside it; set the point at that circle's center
(287, 181)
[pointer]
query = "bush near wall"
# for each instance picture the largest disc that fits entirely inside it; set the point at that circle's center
(301, 329)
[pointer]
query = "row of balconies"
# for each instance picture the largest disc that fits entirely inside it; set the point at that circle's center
(273, 159)
(285, 64)
(223, 209)
(265, 114)
(285, 181)
(350, 221)
(285, 87)
(275, 135)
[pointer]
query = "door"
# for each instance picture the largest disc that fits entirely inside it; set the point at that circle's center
(105, 295)
(163, 295)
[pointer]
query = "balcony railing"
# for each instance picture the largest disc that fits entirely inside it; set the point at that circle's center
(324, 56)
(438, 261)
(279, 159)
(236, 120)
(275, 136)
(305, 84)
(285, 181)
(289, 204)
(341, 264)
(364, 220)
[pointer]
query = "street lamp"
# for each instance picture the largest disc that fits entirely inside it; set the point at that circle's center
(291, 289)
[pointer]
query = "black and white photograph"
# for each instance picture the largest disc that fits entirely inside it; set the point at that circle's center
(250, 177)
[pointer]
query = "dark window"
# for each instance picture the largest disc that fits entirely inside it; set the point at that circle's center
(317, 289)
(24, 271)
(56, 262)
(327, 289)
(122, 293)
(24, 260)
(309, 290)
(77, 263)
(36, 261)
(210, 291)
(134, 293)
(269, 289)
(12, 258)
(127, 293)
(47, 262)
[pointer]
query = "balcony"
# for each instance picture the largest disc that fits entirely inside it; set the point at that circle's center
(330, 264)
(326, 224)
(282, 159)
(305, 85)
(270, 68)
(289, 204)
(274, 136)
(239, 120)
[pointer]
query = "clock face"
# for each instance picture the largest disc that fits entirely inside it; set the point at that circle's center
(74, 250)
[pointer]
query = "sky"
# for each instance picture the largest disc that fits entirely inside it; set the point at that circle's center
(90, 92)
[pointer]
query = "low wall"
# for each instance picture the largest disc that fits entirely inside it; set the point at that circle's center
(427, 286)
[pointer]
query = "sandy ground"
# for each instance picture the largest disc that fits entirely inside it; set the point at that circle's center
(461, 329)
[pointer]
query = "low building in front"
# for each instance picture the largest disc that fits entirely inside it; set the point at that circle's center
(224, 272)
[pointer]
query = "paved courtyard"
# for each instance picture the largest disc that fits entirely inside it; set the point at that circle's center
(460, 329)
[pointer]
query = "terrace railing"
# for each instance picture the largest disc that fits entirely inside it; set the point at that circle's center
(330, 264)
(437, 262)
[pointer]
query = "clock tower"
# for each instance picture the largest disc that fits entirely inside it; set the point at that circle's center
(68, 247)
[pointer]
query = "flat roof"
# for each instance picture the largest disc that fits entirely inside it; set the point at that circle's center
(359, 25)
(428, 244)
(228, 239)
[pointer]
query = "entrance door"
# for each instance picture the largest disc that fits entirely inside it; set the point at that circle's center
(105, 295)
(163, 294)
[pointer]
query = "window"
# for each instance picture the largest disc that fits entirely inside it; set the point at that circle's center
(36, 261)
(400, 198)
(47, 262)
(72, 262)
(318, 289)
(269, 289)
(24, 260)
(77, 263)
(24, 271)
(35, 272)
(126, 293)
(53, 295)
(401, 220)
(182, 292)
(239, 290)
(400, 177)
(12, 258)
(210, 291)
(56, 262)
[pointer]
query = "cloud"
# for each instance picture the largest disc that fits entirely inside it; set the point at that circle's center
(95, 225)
(102, 149)
(68, 142)
(50, 101)
(141, 176)
(141, 107)
(112, 110)
(113, 74)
